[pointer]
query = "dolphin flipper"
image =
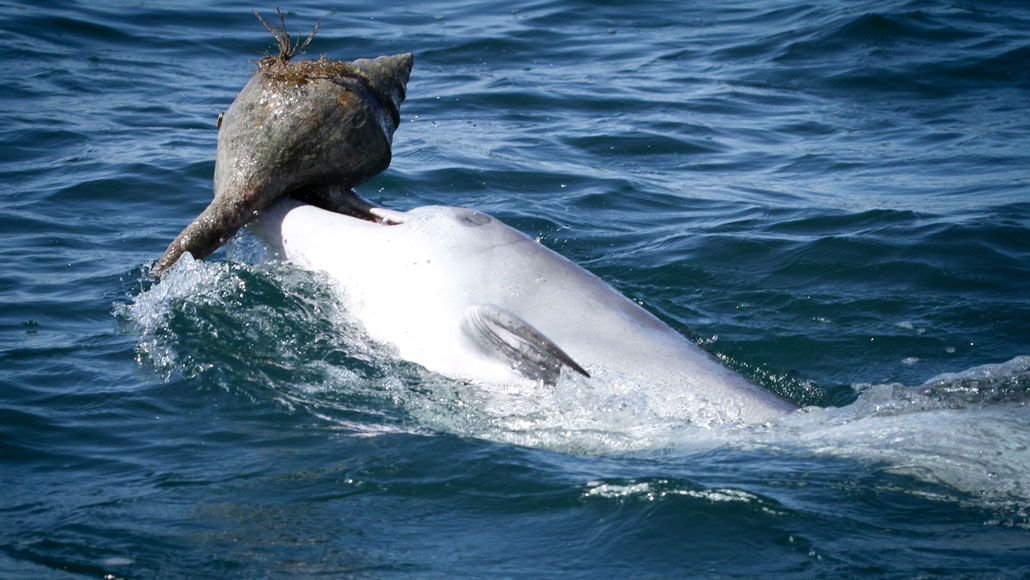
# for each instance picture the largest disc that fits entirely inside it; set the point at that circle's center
(505, 336)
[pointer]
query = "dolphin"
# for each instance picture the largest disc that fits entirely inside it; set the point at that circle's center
(466, 296)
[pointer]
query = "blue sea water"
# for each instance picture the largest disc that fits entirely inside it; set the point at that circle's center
(833, 198)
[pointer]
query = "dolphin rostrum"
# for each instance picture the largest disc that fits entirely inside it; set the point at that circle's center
(297, 125)
(464, 295)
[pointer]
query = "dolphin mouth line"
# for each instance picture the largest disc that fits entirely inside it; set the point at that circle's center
(347, 202)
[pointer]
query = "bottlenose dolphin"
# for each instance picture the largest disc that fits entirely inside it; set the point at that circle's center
(466, 296)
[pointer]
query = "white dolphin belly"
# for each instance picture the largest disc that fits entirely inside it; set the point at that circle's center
(462, 294)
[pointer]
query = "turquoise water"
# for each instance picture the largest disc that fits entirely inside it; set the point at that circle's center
(833, 198)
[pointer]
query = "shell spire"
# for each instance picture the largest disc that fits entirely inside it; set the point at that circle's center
(388, 77)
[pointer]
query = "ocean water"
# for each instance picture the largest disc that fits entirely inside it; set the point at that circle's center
(833, 198)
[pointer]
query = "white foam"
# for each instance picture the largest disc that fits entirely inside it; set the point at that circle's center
(969, 431)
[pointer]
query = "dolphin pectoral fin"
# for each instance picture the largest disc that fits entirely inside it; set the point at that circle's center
(505, 336)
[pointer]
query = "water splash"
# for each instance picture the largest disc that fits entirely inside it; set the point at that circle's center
(268, 331)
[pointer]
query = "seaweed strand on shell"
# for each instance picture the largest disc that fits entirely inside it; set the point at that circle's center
(287, 49)
(281, 68)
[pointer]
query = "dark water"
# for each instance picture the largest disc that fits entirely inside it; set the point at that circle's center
(834, 198)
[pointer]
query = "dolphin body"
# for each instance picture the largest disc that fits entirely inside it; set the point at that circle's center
(466, 296)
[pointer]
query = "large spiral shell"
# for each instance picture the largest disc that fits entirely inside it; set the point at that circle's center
(297, 124)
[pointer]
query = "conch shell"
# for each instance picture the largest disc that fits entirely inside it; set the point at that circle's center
(296, 125)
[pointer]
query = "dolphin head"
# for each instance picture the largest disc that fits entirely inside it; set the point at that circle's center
(400, 236)
(358, 238)
(297, 124)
